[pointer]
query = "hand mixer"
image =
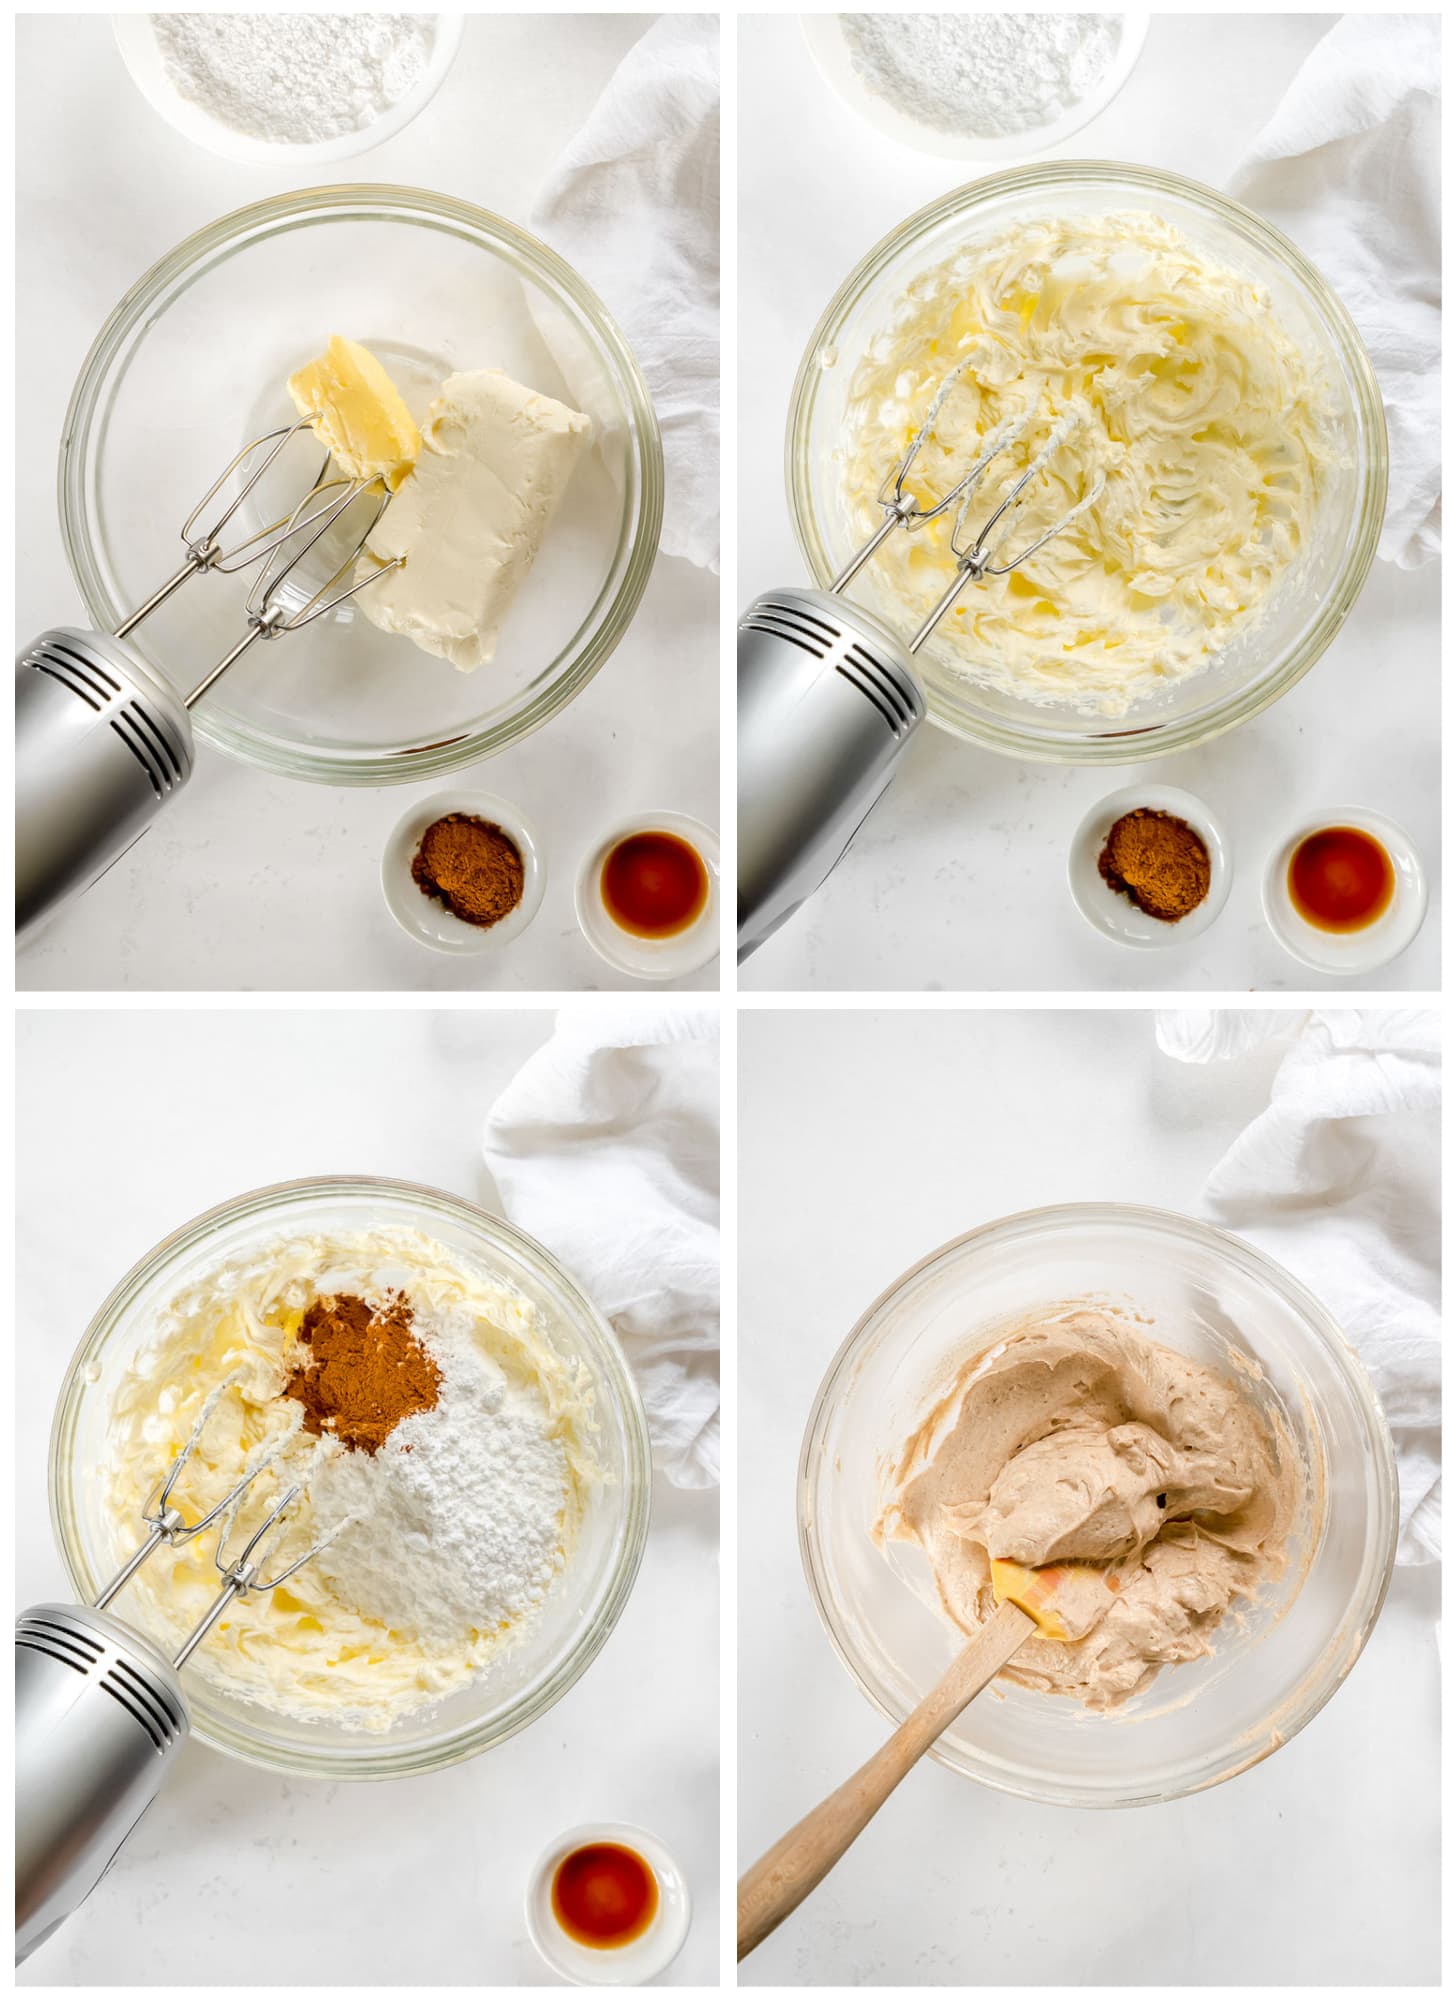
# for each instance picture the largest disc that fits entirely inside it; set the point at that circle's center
(102, 742)
(827, 695)
(100, 1716)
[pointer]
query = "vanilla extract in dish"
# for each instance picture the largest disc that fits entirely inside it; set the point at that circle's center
(604, 1895)
(654, 884)
(1341, 879)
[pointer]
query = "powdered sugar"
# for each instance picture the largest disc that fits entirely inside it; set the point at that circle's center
(986, 76)
(295, 79)
(458, 1520)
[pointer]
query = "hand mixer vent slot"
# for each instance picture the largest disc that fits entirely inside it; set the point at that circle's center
(144, 730)
(882, 687)
(150, 747)
(800, 625)
(63, 1643)
(144, 1703)
(859, 683)
(787, 620)
(95, 1658)
(74, 671)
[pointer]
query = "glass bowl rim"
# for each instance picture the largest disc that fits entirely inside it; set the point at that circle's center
(469, 1740)
(1029, 1223)
(644, 489)
(1239, 706)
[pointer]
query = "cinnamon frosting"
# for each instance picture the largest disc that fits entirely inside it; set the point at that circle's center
(1075, 1440)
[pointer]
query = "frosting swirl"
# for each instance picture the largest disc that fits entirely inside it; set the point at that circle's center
(1075, 1440)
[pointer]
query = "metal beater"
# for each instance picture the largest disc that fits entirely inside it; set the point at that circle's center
(100, 1716)
(827, 694)
(102, 741)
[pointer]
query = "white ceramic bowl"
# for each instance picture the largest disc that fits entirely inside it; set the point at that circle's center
(143, 58)
(1115, 915)
(831, 52)
(428, 921)
(624, 1965)
(1348, 952)
(650, 958)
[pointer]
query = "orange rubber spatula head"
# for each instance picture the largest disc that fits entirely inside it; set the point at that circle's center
(1064, 1599)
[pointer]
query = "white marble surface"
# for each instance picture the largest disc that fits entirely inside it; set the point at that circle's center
(253, 881)
(957, 881)
(866, 1139)
(129, 1123)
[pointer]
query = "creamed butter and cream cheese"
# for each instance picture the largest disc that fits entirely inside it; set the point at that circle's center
(1187, 395)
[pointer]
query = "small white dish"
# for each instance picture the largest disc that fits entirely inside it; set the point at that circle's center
(621, 1965)
(1347, 952)
(428, 921)
(650, 958)
(143, 58)
(830, 51)
(1115, 914)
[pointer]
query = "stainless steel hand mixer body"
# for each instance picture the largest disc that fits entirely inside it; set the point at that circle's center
(828, 699)
(102, 742)
(100, 1716)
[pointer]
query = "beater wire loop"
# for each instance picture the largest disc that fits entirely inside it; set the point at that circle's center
(972, 553)
(975, 555)
(166, 1523)
(262, 606)
(279, 546)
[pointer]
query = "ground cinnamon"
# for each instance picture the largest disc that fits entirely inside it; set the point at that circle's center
(1158, 861)
(365, 1370)
(472, 866)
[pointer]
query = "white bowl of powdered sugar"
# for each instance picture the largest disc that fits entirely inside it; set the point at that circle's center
(977, 86)
(288, 88)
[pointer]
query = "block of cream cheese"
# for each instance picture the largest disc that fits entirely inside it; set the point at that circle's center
(493, 465)
(357, 412)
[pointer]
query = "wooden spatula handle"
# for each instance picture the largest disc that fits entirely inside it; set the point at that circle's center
(779, 1881)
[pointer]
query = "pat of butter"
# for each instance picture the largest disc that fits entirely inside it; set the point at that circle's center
(494, 462)
(357, 412)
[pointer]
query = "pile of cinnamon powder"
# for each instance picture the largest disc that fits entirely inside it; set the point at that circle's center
(365, 1370)
(472, 866)
(1158, 861)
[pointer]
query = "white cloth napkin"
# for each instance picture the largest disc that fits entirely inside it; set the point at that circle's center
(605, 1147)
(633, 205)
(1340, 1181)
(1350, 167)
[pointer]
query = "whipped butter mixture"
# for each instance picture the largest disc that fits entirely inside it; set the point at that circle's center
(448, 1535)
(1179, 388)
(1075, 1440)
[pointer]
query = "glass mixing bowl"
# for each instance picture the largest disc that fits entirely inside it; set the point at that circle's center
(1273, 1664)
(1285, 638)
(194, 362)
(589, 1596)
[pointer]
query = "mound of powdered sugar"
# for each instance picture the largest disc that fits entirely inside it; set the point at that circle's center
(984, 76)
(455, 1524)
(294, 79)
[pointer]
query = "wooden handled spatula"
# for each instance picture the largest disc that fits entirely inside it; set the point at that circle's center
(1061, 1601)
